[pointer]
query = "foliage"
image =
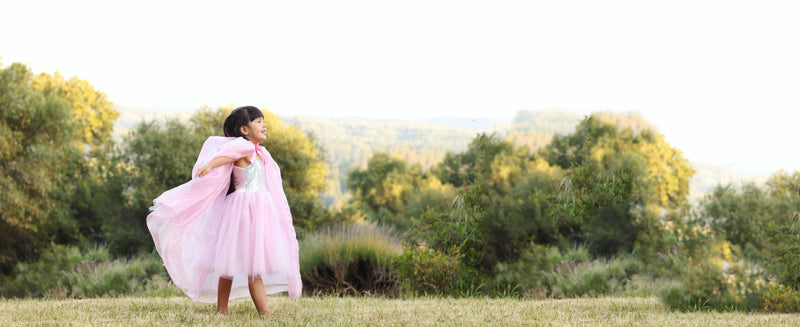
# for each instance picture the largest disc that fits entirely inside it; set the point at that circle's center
(606, 147)
(513, 186)
(631, 180)
(303, 169)
(384, 188)
(154, 158)
(714, 277)
(780, 298)
(549, 272)
(599, 205)
(351, 142)
(741, 215)
(93, 113)
(70, 272)
(762, 220)
(430, 271)
(784, 249)
(461, 227)
(42, 158)
(349, 259)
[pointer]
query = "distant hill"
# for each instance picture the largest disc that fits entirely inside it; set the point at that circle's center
(708, 176)
(131, 116)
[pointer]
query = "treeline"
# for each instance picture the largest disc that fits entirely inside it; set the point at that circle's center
(594, 209)
(350, 142)
(593, 212)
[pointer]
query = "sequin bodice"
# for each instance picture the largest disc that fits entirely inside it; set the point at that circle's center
(250, 179)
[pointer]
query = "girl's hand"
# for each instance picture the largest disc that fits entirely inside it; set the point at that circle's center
(204, 171)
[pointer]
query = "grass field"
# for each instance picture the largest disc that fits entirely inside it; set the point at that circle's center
(330, 311)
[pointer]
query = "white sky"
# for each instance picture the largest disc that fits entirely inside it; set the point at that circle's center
(721, 79)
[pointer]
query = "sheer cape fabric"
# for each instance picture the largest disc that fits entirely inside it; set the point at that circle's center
(185, 224)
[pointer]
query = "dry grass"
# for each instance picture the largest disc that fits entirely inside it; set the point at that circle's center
(348, 311)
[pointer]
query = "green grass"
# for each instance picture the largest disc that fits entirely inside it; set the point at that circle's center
(348, 311)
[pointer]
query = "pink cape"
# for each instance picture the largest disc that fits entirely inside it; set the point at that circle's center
(185, 220)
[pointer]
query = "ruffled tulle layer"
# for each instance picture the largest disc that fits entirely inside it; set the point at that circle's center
(250, 242)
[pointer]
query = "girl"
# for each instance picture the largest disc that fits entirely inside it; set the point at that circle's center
(228, 232)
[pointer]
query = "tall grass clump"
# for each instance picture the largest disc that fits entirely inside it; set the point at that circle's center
(549, 272)
(71, 272)
(349, 259)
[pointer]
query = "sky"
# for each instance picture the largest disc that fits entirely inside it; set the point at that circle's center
(720, 79)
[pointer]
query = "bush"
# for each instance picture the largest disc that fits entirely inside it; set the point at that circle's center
(548, 272)
(780, 298)
(69, 272)
(428, 271)
(784, 262)
(349, 259)
(715, 279)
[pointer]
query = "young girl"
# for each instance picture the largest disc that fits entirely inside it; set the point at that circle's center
(228, 232)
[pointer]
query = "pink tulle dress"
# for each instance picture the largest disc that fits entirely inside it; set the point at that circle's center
(202, 234)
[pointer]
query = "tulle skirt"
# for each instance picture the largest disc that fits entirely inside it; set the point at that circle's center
(251, 243)
(242, 239)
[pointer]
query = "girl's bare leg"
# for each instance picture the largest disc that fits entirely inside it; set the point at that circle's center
(258, 295)
(223, 293)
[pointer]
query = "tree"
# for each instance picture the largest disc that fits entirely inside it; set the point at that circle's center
(384, 189)
(601, 156)
(155, 157)
(93, 113)
(515, 185)
(39, 157)
(749, 215)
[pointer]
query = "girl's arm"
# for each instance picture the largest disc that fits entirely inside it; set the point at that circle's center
(216, 162)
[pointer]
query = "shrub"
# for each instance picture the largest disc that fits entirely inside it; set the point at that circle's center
(784, 261)
(780, 298)
(548, 272)
(715, 279)
(428, 271)
(349, 259)
(593, 278)
(69, 272)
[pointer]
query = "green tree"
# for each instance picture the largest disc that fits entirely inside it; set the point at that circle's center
(384, 189)
(154, 158)
(603, 155)
(93, 113)
(749, 216)
(39, 158)
(515, 186)
(303, 169)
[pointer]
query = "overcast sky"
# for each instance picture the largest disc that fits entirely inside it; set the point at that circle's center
(721, 79)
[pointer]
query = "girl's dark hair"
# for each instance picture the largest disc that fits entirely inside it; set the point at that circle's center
(239, 117)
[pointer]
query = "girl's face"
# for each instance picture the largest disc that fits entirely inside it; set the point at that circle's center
(256, 131)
